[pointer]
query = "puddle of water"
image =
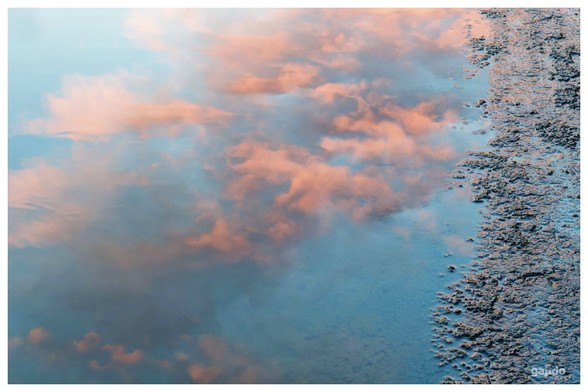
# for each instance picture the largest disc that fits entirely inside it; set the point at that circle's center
(272, 208)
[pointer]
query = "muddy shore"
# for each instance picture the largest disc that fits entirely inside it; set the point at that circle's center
(514, 316)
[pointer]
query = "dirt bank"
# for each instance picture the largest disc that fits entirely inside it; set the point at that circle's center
(515, 315)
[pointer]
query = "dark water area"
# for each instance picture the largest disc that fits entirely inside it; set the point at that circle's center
(271, 203)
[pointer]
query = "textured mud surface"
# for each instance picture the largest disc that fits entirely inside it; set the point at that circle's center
(516, 312)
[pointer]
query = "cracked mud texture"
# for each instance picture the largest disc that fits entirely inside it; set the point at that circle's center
(518, 306)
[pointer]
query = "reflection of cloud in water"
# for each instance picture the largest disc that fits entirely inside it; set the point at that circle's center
(279, 224)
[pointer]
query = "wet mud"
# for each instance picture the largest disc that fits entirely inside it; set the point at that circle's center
(514, 315)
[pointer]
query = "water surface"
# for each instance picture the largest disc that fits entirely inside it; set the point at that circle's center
(235, 195)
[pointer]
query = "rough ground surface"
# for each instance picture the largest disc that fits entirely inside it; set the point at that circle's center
(518, 308)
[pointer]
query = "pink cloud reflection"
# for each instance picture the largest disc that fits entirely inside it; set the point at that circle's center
(101, 106)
